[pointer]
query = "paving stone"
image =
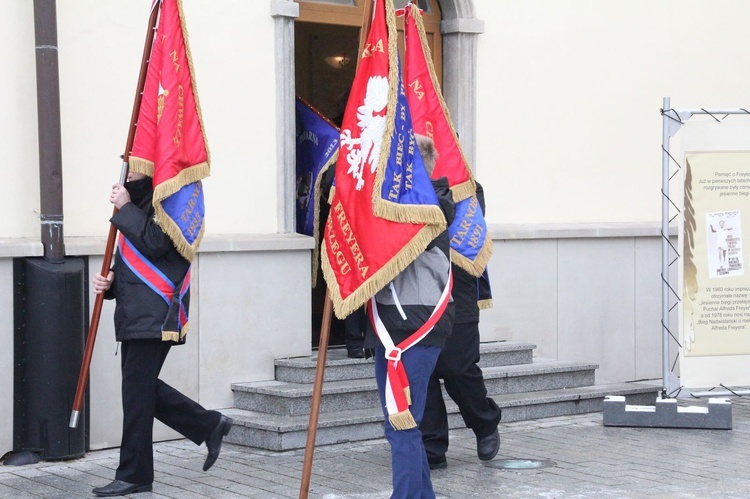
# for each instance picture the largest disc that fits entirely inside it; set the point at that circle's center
(592, 462)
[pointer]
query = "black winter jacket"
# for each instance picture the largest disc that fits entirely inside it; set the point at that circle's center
(140, 311)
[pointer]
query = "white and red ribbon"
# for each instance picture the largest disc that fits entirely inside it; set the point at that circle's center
(397, 395)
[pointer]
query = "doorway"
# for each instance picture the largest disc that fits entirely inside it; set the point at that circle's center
(326, 40)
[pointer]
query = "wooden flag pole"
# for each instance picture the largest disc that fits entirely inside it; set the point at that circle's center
(312, 427)
(366, 22)
(109, 249)
(325, 328)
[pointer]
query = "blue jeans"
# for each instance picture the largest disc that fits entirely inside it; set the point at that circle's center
(411, 472)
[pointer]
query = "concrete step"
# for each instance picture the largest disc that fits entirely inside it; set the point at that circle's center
(339, 367)
(294, 399)
(280, 433)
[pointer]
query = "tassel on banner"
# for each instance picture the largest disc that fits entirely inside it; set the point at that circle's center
(485, 304)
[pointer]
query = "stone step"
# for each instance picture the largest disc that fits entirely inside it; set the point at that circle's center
(339, 367)
(542, 374)
(282, 433)
(294, 399)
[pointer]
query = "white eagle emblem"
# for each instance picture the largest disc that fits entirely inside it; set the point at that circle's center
(371, 122)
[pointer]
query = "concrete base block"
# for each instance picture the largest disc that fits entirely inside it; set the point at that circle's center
(667, 414)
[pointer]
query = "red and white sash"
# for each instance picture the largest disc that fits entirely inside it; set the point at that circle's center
(397, 394)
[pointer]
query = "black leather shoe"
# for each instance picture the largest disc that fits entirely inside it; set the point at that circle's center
(120, 488)
(488, 446)
(213, 443)
(438, 464)
(355, 353)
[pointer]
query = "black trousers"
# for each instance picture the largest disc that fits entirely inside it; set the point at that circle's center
(457, 367)
(354, 328)
(145, 397)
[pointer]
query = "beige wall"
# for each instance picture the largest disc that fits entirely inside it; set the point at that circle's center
(100, 47)
(18, 123)
(568, 116)
(569, 93)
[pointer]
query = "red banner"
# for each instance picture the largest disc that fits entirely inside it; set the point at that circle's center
(471, 246)
(378, 168)
(429, 111)
(170, 144)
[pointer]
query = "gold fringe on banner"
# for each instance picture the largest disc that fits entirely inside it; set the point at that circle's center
(316, 214)
(465, 189)
(169, 226)
(474, 267)
(166, 189)
(343, 307)
(140, 165)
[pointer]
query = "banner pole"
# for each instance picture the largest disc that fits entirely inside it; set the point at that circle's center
(109, 249)
(317, 393)
(366, 23)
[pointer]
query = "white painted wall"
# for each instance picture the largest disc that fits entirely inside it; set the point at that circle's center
(569, 93)
(100, 47)
(568, 115)
(19, 167)
(255, 308)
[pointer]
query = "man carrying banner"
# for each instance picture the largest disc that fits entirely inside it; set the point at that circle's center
(385, 241)
(147, 327)
(410, 320)
(159, 214)
(458, 367)
(470, 251)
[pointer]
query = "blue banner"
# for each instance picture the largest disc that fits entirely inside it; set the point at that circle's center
(406, 181)
(317, 142)
(186, 208)
(468, 235)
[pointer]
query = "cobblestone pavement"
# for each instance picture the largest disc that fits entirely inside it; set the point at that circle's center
(588, 460)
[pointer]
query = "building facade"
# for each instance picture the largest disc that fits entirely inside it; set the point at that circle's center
(557, 108)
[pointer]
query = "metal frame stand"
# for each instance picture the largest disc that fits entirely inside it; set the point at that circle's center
(666, 413)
